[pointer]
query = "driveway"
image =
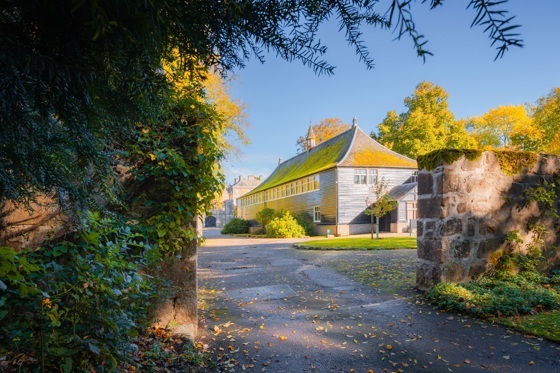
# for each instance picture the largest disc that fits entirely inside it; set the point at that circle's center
(266, 306)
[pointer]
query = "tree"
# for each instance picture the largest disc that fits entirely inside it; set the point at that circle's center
(73, 75)
(546, 118)
(427, 125)
(381, 204)
(505, 127)
(324, 130)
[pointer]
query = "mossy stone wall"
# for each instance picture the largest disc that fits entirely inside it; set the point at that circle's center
(466, 205)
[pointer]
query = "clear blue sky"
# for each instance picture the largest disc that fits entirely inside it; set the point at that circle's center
(282, 98)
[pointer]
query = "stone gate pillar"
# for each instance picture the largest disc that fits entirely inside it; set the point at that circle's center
(466, 208)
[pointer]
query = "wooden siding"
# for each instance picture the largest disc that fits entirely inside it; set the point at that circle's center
(325, 197)
(352, 197)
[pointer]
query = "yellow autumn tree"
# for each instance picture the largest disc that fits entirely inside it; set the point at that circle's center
(327, 128)
(546, 118)
(216, 92)
(508, 127)
(425, 126)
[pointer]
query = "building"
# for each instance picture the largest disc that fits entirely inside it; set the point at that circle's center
(224, 210)
(331, 183)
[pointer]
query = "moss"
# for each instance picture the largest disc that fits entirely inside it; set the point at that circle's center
(368, 157)
(513, 162)
(318, 159)
(431, 160)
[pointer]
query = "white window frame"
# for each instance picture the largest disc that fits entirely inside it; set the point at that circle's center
(360, 176)
(317, 214)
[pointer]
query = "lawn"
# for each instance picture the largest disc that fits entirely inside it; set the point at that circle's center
(362, 243)
(545, 324)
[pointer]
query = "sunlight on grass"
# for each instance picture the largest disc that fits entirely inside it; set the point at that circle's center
(546, 324)
(362, 243)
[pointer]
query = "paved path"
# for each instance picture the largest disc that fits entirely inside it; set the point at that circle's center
(268, 307)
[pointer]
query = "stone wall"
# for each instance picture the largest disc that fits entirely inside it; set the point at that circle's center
(27, 227)
(465, 210)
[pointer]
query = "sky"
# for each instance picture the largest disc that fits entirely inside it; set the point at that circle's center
(282, 98)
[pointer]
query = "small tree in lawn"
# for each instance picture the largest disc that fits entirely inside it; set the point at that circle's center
(380, 205)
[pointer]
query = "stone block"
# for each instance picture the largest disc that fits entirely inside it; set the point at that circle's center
(451, 183)
(420, 228)
(451, 226)
(430, 208)
(430, 228)
(488, 226)
(487, 247)
(460, 248)
(430, 250)
(454, 272)
(425, 183)
(471, 227)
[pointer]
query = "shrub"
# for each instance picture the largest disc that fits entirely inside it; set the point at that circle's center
(265, 216)
(236, 226)
(305, 222)
(76, 306)
(284, 227)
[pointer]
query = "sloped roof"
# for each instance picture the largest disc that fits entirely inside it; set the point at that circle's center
(350, 148)
(366, 152)
(401, 191)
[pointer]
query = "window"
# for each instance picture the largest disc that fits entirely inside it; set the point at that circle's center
(316, 183)
(411, 211)
(317, 214)
(293, 185)
(360, 176)
(372, 176)
(304, 186)
(414, 177)
(309, 184)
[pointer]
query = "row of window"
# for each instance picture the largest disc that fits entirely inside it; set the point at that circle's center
(365, 176)
(301, 186)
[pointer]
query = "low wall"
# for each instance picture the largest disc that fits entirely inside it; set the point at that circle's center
(466, 208)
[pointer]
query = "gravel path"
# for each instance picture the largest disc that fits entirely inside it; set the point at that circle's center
(268, 307)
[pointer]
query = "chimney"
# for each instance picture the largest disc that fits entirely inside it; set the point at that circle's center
(279, 161)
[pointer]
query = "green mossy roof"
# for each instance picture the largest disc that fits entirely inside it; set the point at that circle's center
(350, 148)
(322, 157)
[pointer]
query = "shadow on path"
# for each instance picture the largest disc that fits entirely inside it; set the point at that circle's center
(268, 307)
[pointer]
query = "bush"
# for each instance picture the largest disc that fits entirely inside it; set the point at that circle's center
(305, 222)
(236, 226)
(76, 306)
(265, 216)
(284, 227)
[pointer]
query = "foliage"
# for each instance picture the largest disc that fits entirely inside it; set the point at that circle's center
(73, 78)
(265, 216)
(285, 226)
(427, 125)
(514, 285)
(511, 162)
(544, 324)
(431, 160)
(76, 306)
(546, 118)
(306, 222)
(324, 130)
(382, 203)
(359, 243)
(173, 172)
(236, 226)
(505, 127)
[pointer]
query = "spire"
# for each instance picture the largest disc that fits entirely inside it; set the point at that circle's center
(355, 122)
(310, 138)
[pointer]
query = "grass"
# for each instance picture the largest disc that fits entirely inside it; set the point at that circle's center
(545, 324)
(387, 243)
